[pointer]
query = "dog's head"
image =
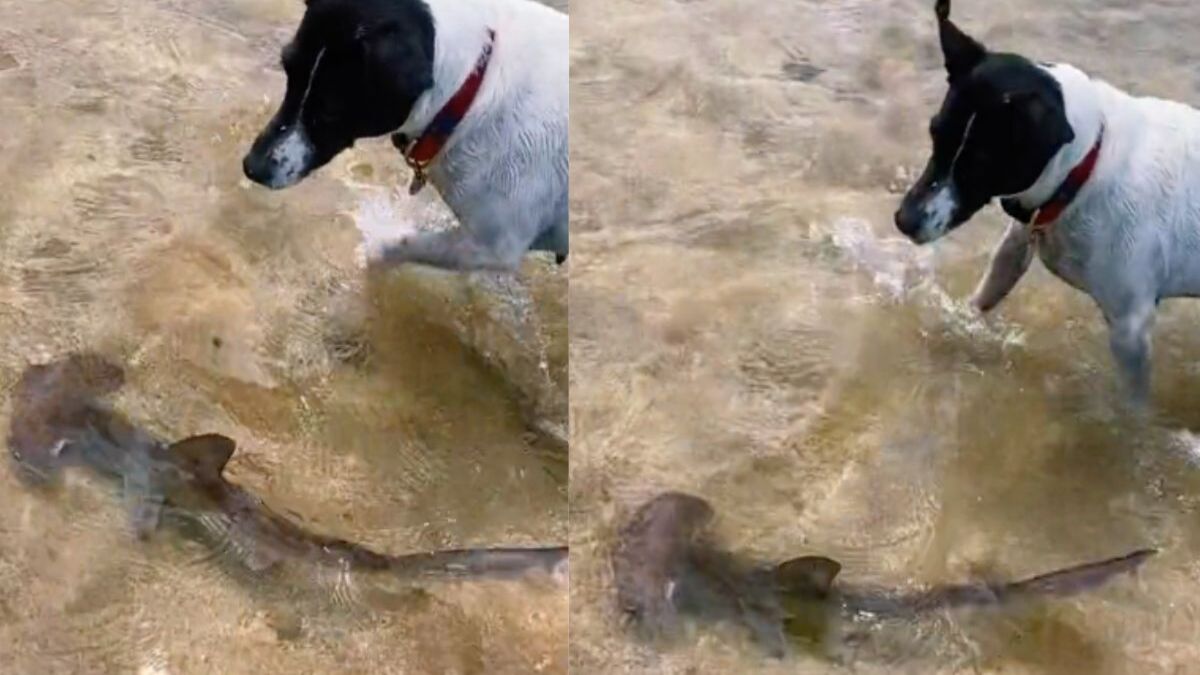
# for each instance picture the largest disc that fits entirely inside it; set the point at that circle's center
(354, 70)
(1002, 121)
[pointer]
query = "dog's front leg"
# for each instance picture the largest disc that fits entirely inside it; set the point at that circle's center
(453, 249)
(1009, 263)
(1129, 339)
(456, 249)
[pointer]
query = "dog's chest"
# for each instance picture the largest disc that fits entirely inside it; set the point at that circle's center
(1065, 256)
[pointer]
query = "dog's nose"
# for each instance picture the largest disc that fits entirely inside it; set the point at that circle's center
(248, 169)
(908, 219)
(254, 170)
(899, 219)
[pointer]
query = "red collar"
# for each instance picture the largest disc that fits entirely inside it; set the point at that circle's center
(420, 152)
(1049, 211)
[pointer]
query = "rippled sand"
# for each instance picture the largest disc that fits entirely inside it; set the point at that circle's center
(747, 326)
(408, 411)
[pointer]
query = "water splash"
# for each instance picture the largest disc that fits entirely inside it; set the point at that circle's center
(1187, 443)
(383, 219)
(897, 268)
(902, 273)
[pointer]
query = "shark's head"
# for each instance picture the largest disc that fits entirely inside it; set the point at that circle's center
(651, 558)
(52, 404)
(666, 566)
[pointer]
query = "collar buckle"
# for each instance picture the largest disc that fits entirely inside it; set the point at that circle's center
(420, 177)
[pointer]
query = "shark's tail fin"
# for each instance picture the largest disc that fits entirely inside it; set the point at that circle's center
(1060, 583)
(1079, 578)
(502, 563)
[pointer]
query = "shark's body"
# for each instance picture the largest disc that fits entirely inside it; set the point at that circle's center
(666, 567)
(60, 420)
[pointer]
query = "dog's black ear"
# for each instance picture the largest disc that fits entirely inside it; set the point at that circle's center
(961, 52)
(398, 61)
(1045, 117)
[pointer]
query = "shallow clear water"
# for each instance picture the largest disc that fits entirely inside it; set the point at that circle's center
(409, 410)
(746, 325)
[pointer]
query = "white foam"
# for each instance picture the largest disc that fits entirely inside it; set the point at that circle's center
(1188, 443)
(382, 224)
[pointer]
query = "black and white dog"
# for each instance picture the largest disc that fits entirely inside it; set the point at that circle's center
(1105, 187)
(473, 93)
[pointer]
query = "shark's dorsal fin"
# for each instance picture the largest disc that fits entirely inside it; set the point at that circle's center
(207, 452)
(810, 574)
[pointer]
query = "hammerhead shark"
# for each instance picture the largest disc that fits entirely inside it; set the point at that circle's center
(59, 419)
(667, 567)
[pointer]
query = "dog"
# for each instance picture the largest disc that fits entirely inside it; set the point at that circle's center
(1104, 187)
(667, 566)
(474, 93)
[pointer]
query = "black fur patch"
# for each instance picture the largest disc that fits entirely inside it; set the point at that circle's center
(355, 68)
(1002, 120)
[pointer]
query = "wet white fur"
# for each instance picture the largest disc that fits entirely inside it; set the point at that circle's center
(293, 153)
(504, 170)
(1132, 234)
(938, 210)
(291, 157)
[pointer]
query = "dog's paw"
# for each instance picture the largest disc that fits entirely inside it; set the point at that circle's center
(985, 299)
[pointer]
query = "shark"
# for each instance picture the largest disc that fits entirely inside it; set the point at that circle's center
(60, 418)
(667, 568)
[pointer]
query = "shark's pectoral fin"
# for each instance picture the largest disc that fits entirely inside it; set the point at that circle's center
(144, 517)
(808, 575)
(144, 503)
(250, 550)
(208, 453)
(767, 629)
(145, 512)
(259, 560)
